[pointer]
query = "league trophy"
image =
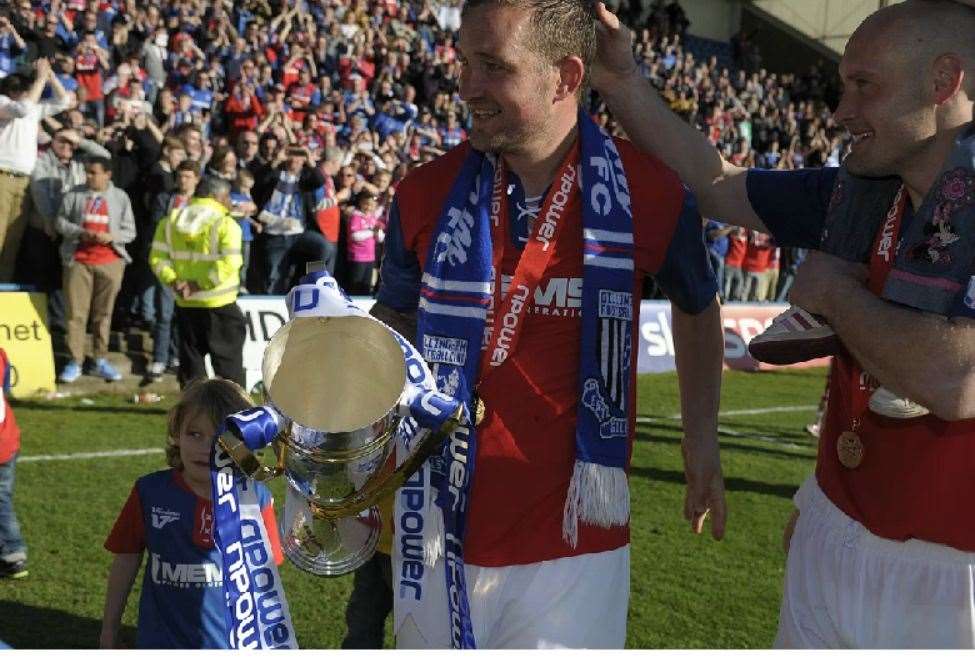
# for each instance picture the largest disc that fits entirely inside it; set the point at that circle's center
(336, 386)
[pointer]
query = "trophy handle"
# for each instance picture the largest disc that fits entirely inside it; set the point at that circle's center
(249, 463)
(376, 490)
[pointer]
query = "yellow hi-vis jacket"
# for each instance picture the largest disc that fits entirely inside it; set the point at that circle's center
(199, 243)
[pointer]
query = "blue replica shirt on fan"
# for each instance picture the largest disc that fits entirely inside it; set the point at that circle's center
(183, 603)
(686, 276)
(793, 205)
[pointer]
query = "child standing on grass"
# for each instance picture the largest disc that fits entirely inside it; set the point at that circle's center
(13, 551)
(170, 514)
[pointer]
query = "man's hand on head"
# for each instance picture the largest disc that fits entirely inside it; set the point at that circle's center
(614, 52)
(821, 279)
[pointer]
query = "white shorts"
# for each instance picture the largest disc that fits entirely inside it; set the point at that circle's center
(848, 588)
(575, 602)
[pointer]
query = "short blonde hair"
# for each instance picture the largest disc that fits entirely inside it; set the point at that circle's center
(216, 397)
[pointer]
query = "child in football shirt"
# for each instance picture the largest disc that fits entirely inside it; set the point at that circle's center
(169, 515)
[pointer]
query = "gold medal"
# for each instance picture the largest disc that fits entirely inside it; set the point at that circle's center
(849, 448)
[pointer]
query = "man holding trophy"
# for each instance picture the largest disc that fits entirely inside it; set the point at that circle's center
(515, 263)
(503, 380)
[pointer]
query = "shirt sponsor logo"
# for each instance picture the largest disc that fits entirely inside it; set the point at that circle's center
(161, 517)
(445, 350)
(559, 296)
(184, 575)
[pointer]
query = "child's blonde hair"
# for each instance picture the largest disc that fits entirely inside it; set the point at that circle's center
(216, 397)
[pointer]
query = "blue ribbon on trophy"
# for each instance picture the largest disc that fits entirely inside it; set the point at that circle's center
(257, 611)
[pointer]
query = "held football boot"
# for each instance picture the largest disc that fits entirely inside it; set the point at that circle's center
(795, 336)
(886, 403)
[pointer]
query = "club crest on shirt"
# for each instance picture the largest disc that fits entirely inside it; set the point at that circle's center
(161, 517)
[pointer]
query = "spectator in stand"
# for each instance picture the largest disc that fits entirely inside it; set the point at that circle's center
(11, 45)
(91, 59)
(95, 222)
(328, 216)
(165, 334)
(243, 211)
(452, 134)
(20, 114)
(365, 231)
(716, 237)
(243, 110)
(756, 268)
(58, 170)
(287, 219)
(792, 258)
(246, 149)
(733, 284)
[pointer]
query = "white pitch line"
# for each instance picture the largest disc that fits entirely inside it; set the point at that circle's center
(88, 456)
(640, 419)
(762, 410)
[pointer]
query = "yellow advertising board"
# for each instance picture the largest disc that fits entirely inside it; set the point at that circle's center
(24, 336)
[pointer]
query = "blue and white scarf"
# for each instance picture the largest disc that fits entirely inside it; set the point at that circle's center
(257, 612)
(284, 213)
(457, 289)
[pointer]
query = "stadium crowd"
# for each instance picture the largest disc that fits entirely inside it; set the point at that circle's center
(313, 112)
